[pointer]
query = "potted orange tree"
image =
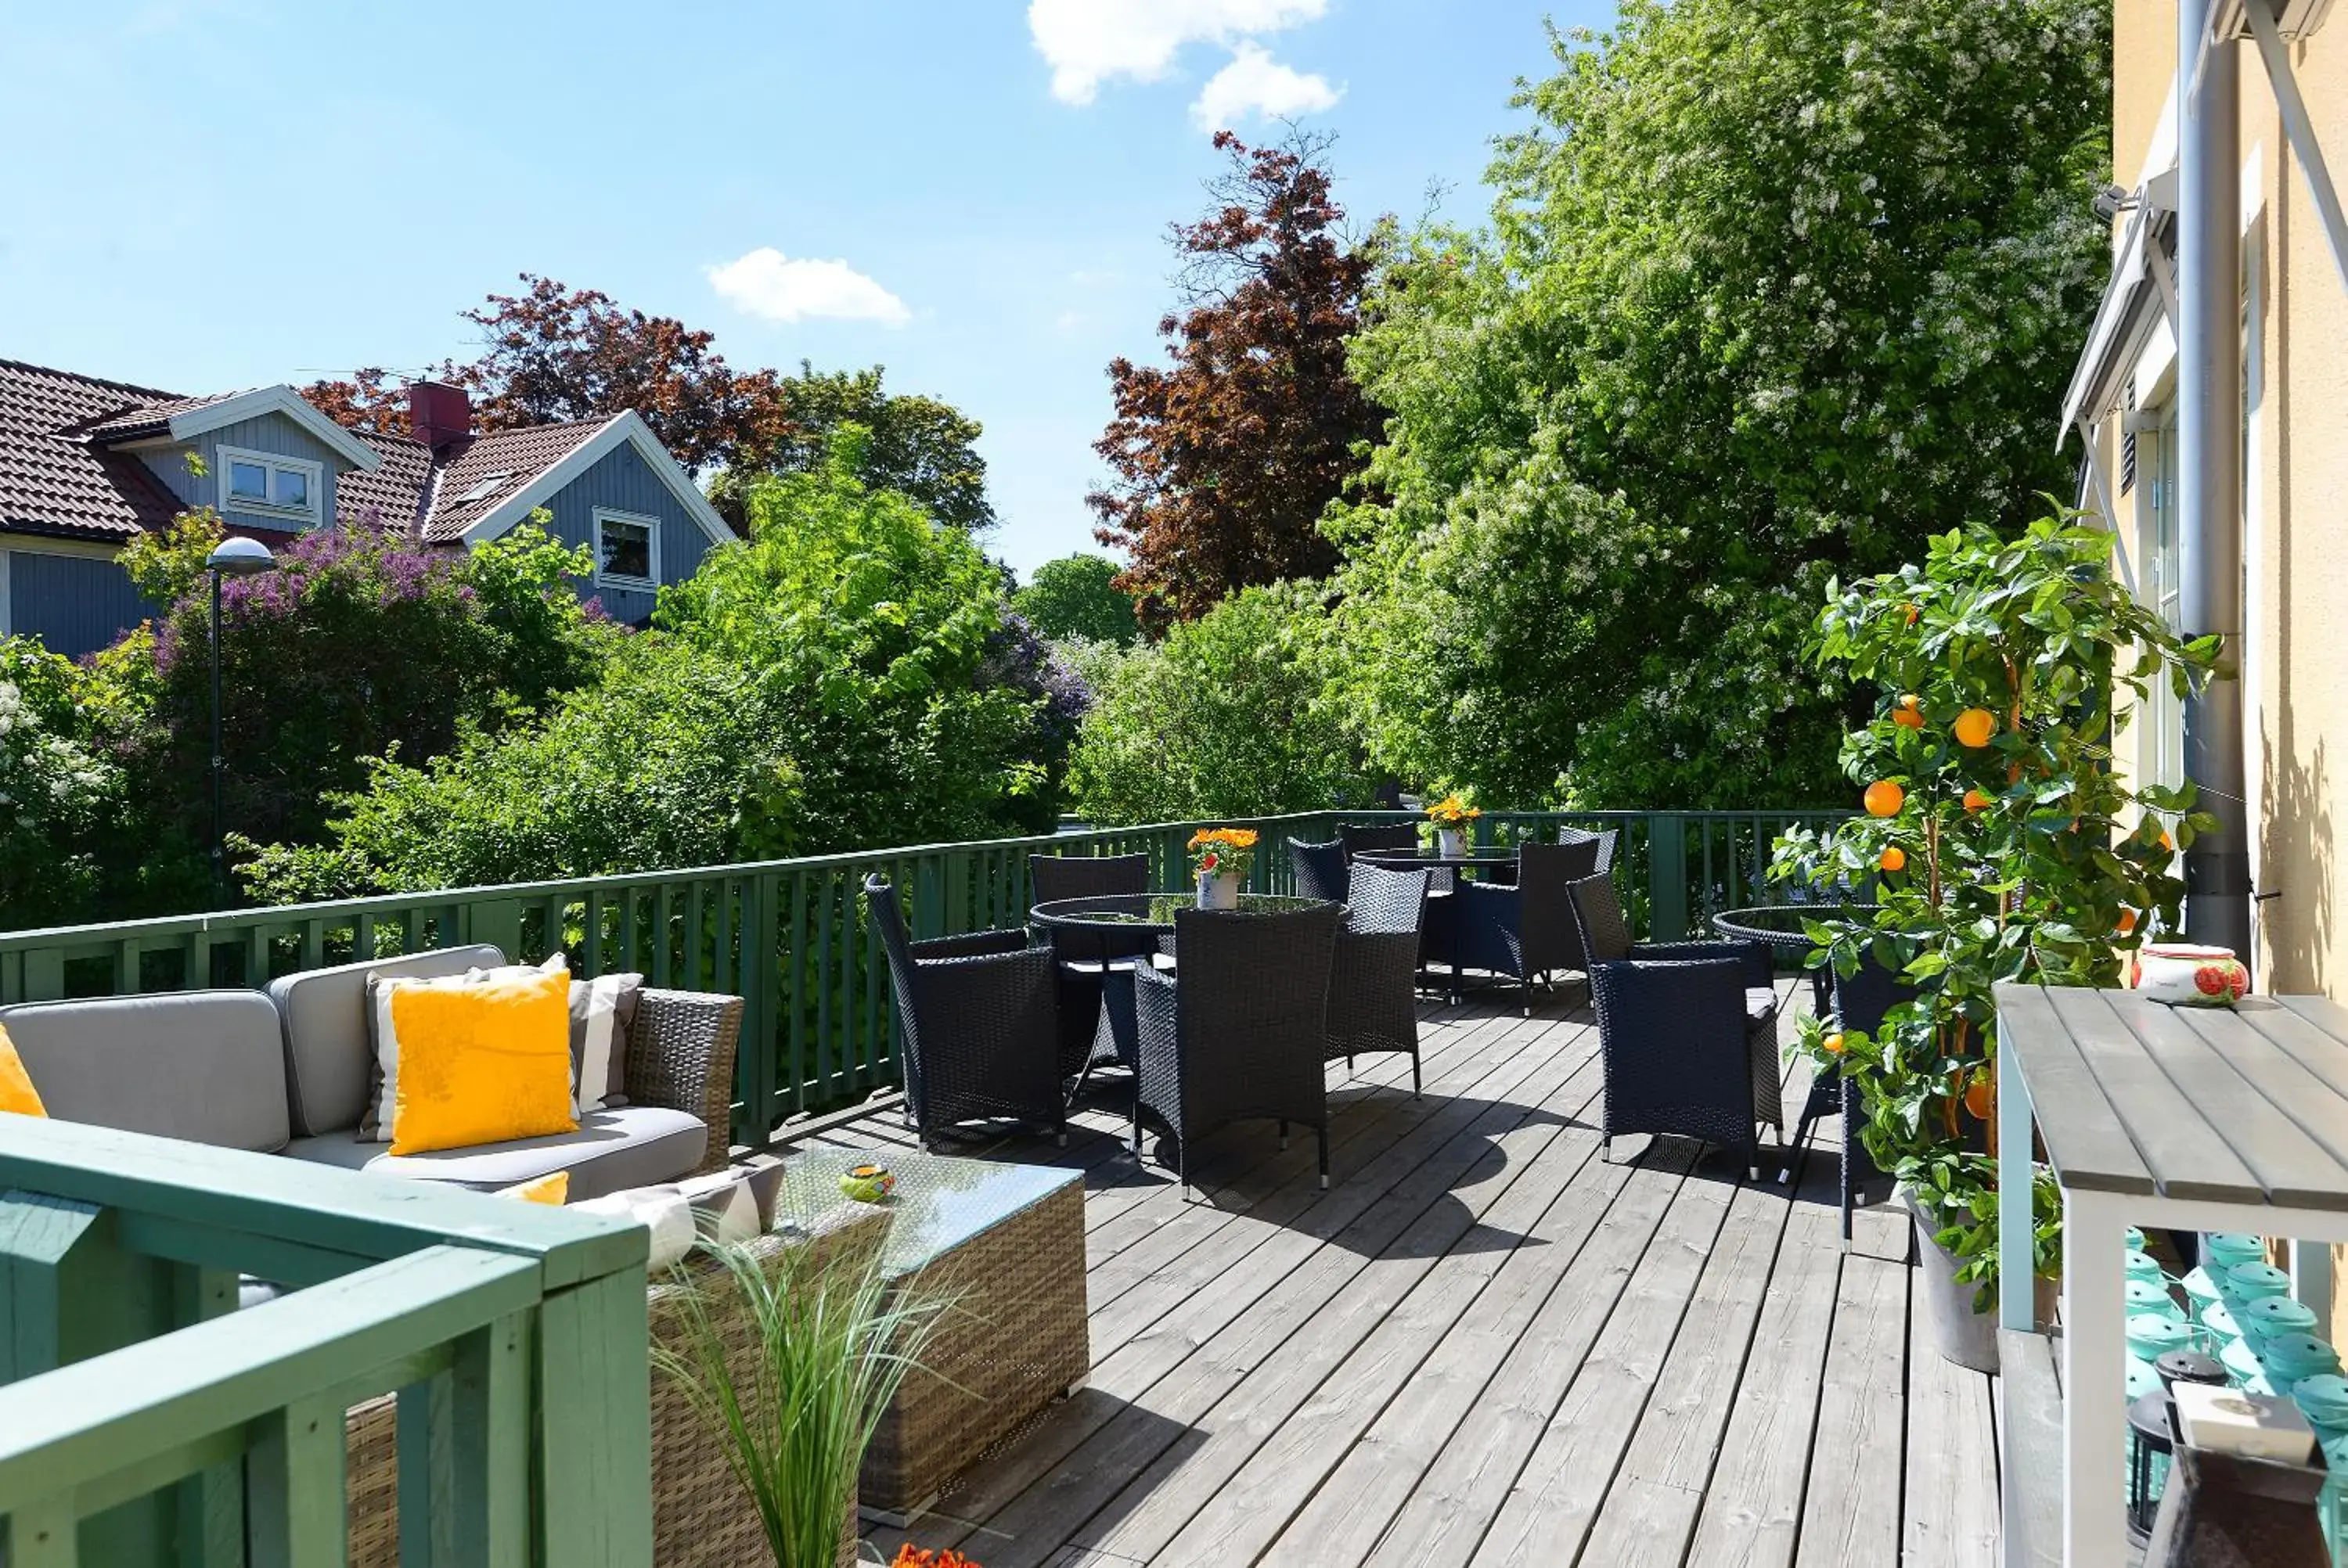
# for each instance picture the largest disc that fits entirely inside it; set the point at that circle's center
(2003, 844)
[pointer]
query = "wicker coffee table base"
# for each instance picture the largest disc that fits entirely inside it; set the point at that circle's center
(1013, 1343)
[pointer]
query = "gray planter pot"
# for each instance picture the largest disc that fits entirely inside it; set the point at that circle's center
(1962, 1334)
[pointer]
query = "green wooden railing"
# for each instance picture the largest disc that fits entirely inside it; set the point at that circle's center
(787, 935)
(145, 1420)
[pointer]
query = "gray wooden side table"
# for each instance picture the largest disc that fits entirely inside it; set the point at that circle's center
(2183, 1118)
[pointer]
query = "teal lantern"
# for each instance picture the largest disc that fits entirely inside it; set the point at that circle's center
(2289, 1358)
(2250, 1281)
(2271, 1316)
(2148, 1296)
(2221, 1251)
(2201, 1294)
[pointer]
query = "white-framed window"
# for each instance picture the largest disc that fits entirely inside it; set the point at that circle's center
(2164, 741)
(627, 550)
(293, 488)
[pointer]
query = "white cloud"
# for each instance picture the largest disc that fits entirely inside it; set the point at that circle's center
(1088, 42)
(768, 283)
(1256, 84)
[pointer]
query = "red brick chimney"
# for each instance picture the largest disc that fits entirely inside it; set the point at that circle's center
(439, 412)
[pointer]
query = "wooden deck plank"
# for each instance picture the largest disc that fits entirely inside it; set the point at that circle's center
(1851, 1509)
(1651, 1510)
(1296, 1425)
(1556, 1495)
(1139, 1481)
(1483, 1346)
(1949, 1510)
(2030, 1409)
(1219, 1331)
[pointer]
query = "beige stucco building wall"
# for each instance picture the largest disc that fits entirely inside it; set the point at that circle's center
(2294, 656)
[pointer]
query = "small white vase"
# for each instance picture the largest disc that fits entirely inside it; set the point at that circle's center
(1451, 842)
(1220, 890)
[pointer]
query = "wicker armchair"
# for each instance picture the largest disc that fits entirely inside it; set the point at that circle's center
(680, 1055)
(1358, 837)
(1526, 931)
(980, 1017)
(1860, 1001)
(1239, 1032)
(1086, 954)
(1606, 938)
(1674, 1043)
(1319, 870)
(1373, 979)
(1604, 839)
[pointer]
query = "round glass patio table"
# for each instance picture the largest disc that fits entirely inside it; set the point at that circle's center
(1435, 859)
(1149, 912)
(1781, 925)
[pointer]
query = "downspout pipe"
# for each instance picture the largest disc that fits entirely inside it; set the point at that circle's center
(2209, 468)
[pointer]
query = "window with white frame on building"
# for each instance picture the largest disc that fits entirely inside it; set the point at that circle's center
(287, 487)
(2164, 740)
(627, 550)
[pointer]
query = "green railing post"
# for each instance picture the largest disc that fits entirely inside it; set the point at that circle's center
(1667, 877)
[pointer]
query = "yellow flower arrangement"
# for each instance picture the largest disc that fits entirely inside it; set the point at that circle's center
(1453, 812)
(1219, 851)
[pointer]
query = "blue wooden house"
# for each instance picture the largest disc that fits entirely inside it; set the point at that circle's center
(86, 465)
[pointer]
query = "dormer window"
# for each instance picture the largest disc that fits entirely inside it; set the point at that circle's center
(262, 483)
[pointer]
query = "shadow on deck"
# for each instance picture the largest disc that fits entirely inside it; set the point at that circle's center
(1482, 1345)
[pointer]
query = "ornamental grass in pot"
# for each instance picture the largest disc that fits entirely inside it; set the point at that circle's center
(2001, 845)
(793, 1378)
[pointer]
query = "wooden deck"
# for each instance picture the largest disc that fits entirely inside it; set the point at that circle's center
(1483, 1346)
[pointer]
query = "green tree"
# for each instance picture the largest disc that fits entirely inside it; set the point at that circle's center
(1223, 718)
(917, 447)
(847, 677)
(360, 644)
(1770, 293)
(1078, 595)
(2002, 843)
(58, 792)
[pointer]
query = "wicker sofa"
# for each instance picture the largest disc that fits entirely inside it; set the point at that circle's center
(702, 1518)
(286, 1071)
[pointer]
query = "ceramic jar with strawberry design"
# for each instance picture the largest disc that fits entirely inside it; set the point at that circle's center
(2184, 974)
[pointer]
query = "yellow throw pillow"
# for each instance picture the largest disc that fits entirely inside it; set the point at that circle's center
(553, 1188)
(16, 1091)
(481, 1063)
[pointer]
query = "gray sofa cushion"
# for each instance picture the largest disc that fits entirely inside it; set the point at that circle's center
(206, 1066)
(629, 1146)
(327, 1058)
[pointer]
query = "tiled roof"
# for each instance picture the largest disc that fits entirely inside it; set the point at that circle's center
(150, 418)
(394, 489)
(57, 475)
(470, 487)
(52, 479)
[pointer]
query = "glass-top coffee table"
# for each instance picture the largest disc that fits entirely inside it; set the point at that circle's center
(1004, 1244)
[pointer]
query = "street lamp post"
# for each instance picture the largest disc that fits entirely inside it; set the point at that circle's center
(230, 558)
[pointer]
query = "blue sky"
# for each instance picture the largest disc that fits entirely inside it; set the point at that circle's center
(214, 193)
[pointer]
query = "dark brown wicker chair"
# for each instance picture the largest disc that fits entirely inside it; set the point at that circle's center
(1604, 839)
(1239, 1032)
(1372, 982)
(1526, 931)
(1860, 1002)
(1085, 955)
(1646, 1047)
(1358, 836)
(979, 1015)
(1319, 870)
(1673, 1039)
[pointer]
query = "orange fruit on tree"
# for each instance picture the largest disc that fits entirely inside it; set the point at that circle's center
(1974, 726)
(1981, 1095)
(2166, 843)
(1884, 797)
(1894, 859)
(2127, 921)
(1914, 614)
(1909, 713)
(1975, 800)
(1833, 1042)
